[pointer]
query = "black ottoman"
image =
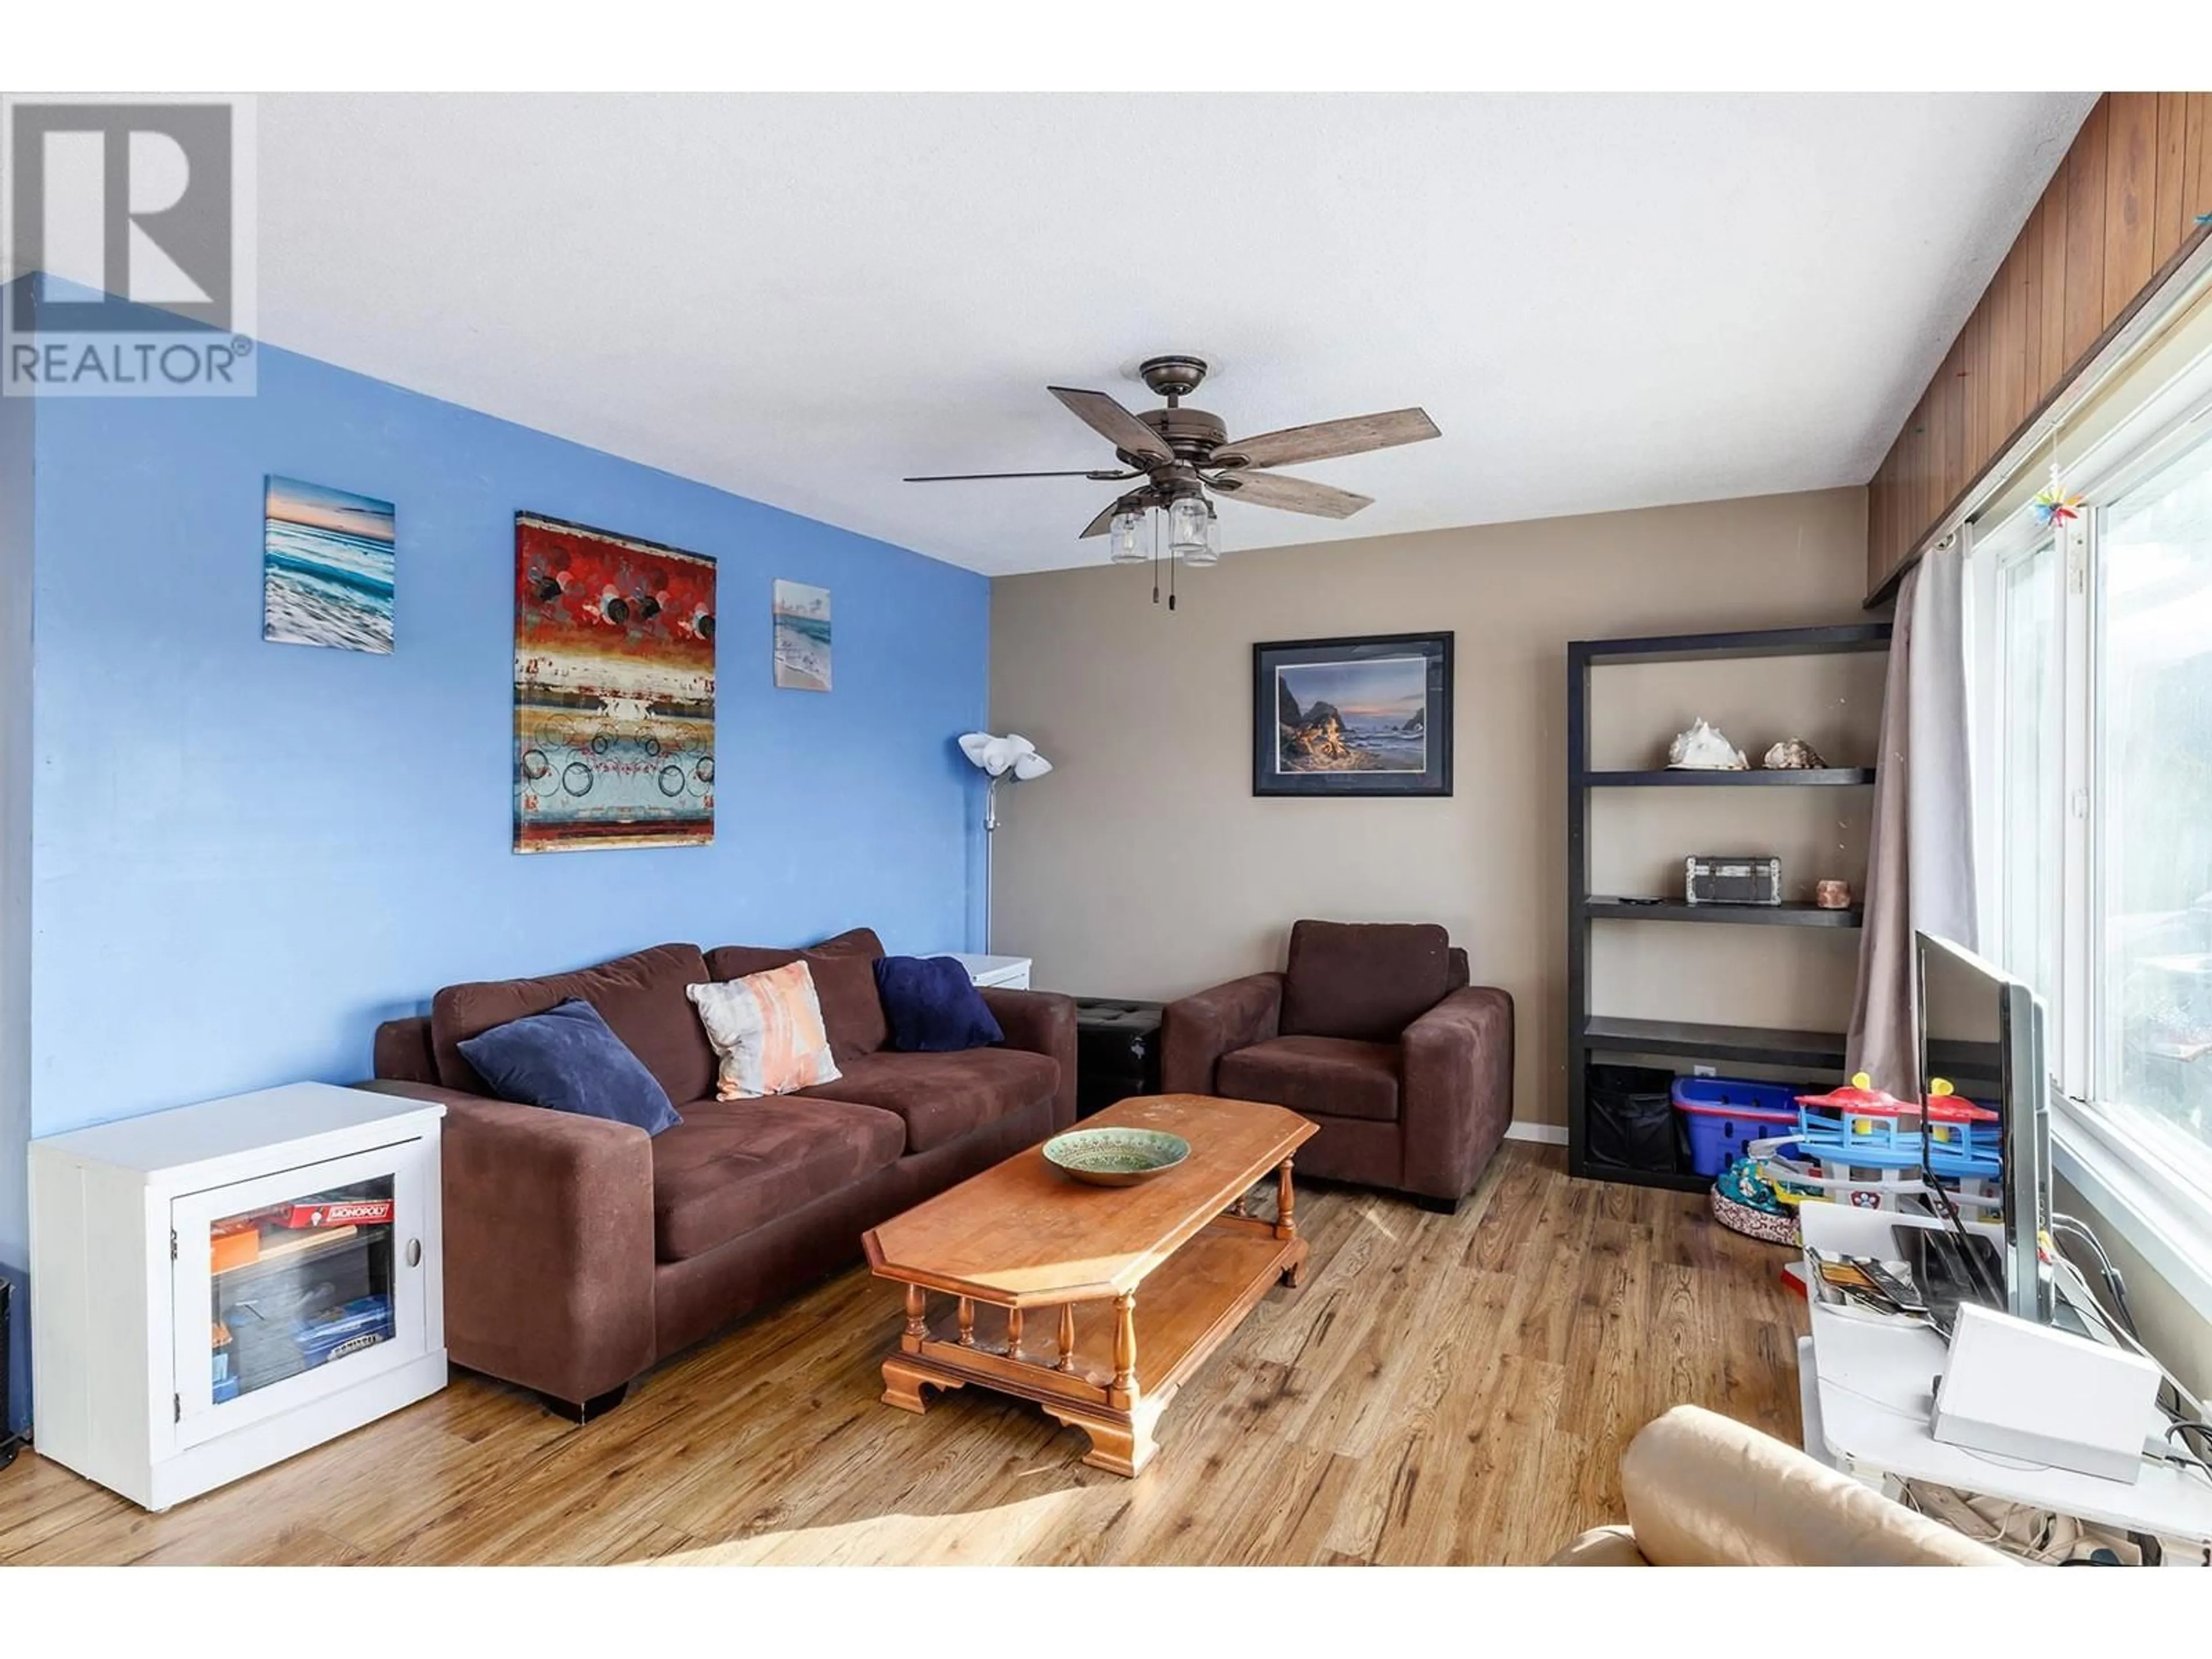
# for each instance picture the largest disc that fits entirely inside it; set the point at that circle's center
(1117, 1052)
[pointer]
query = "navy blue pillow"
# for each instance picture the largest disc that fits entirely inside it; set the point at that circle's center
(566, 1060)
(933, 1006)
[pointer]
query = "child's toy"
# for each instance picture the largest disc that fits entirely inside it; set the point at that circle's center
(336, 1332)
(1744, 1201)
(1862, 1125)
(337, 1212)
(1864, 1144)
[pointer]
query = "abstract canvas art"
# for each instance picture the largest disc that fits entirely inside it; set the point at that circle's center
(327, 567)
(802, 637)
(614, 690)
(1364, 716)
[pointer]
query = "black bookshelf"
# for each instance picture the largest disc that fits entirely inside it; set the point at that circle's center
(1832, 777)
(1743, 1045)
(1752, 915)
(1591, 1036)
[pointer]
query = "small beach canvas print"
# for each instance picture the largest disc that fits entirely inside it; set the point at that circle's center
(327, 567)
(802, 637)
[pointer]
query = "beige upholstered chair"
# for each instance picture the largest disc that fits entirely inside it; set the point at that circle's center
(1705, 1490)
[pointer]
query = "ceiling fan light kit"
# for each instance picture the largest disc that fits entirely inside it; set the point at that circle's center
(1185, 455)
(1127, 546)
(1190, 519)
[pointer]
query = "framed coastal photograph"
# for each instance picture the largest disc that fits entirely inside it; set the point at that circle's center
(802, 637)
(1370, 715)
(327, 567)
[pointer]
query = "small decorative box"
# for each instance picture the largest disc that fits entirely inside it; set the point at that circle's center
(1730, 878)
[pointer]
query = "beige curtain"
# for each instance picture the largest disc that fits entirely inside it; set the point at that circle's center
(1920, 862)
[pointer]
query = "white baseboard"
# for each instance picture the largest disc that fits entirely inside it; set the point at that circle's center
(1547, 1134)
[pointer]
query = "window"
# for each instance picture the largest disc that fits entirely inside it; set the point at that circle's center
(2030, 761)
(2095, 759)
(2151, 807)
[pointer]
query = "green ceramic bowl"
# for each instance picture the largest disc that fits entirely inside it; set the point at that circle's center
(1116, 1157)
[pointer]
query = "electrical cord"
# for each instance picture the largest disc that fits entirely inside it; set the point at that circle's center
(2122, 1332)
(2195, 1423)
(1940, 1202)
(2070, 1227)
(1909, 1415)
(2193, 1414)
(2172, 1429)
(2183, 1461)
(2003, 1460)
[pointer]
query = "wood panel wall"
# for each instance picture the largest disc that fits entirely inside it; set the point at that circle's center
(2123, 206)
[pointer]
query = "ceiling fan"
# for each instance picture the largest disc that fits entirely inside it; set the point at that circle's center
(1183, 454)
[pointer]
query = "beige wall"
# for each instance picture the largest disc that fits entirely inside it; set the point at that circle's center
(1145, 866)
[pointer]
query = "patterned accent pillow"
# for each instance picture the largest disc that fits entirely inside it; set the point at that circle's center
(767, 1032)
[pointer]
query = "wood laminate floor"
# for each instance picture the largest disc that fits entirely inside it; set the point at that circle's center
(1445, 1389)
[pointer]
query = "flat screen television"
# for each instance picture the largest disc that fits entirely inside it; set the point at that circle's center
(1981, 1029)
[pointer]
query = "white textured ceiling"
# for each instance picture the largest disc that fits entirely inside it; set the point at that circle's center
(1605, 301)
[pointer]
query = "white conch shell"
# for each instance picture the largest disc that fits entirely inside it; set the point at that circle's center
(1703, 749)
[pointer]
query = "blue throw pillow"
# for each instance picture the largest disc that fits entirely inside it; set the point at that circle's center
(566, 1060)
(933, 1006)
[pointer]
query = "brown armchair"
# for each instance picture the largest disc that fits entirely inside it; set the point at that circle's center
(1373, 1032)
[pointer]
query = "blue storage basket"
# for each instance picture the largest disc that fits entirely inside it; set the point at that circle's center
(1722, 1115)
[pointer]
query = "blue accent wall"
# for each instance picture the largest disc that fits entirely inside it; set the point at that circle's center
(244, 855)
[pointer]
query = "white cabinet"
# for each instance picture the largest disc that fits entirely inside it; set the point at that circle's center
(1007, 973)
(215, 1288)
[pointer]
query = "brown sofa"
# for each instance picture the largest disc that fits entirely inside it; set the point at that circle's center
(1372, 1031)
(581, 1252)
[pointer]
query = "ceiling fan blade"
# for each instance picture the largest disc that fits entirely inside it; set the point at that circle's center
(1291, 495)
(1099, 525)
(963, 477)
(1324, 440)
(1112, 422)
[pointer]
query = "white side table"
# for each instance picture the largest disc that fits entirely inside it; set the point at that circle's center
(1005, 973)
(215, 1288)
(1866, 1387)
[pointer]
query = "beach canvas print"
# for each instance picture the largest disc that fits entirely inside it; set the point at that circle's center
(327, 567)
(802, 637)
(1354, 716)
(614, 691)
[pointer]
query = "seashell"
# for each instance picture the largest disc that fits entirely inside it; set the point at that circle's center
(1793, 754)
(1703, 749)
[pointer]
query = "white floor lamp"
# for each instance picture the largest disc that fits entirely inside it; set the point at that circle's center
(1010, 756)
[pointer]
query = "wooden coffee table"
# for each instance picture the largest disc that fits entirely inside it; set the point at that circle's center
(1165, 1270)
